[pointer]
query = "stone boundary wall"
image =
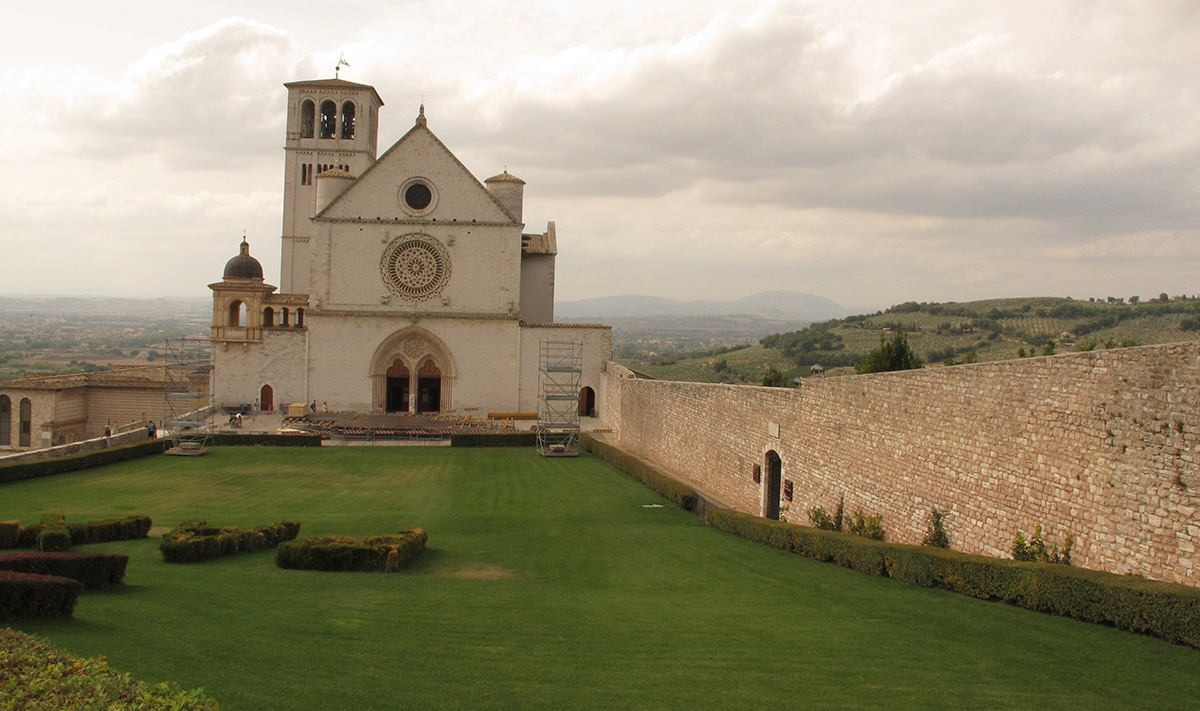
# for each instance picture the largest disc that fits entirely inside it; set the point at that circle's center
(136, 436)
(1102, 445)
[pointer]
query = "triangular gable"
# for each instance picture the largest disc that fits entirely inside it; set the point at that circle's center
(418, 153)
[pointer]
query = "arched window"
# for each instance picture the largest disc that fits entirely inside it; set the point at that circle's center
(299, 318)
(5, 421)
(25, 424)
(237, 314)
(308, 115)
(348, 119)
(328, 119)
(283, 321)
(268, 316)
(305, 178)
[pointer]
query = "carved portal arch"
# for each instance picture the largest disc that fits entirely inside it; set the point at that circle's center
(412, 370)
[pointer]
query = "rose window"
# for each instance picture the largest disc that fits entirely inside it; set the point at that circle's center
(415, 267)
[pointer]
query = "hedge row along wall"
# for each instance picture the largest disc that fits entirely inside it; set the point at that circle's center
(1165, 610)
(378, 554)
(77, 462)
(38, 676)
(1103, 445)
(684, 496)
(92, 570)
(25, 596)
(250, 439)
(114, 529)
(196, 541)
(517, 439)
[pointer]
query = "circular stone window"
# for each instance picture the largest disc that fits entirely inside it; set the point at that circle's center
(415, 267)
(417, 197)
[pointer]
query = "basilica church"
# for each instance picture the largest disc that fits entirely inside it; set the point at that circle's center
(407, 285)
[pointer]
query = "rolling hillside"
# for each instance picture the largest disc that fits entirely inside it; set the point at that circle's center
(946, 334)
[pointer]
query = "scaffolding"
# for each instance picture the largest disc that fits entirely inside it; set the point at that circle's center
(558, 406)
(189, 405)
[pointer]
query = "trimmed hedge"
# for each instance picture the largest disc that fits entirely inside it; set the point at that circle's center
(255, 439)
(10, 534)
(1165, 610)
(380, 554)
(93, 570)
(84, 460)
(511, 439)
(25, 596)
(112, 529)
(196, 541)
(37, 676)
(658, 482)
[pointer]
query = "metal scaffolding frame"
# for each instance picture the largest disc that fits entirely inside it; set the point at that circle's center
(189, 405)
(558, 398)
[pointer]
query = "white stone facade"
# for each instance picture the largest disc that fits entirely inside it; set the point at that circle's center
(409, 285)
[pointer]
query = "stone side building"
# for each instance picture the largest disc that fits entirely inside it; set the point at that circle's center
(40, 411)
(406, 284)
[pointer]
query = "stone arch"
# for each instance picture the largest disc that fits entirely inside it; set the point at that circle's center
(268, 317)
(328, 119)
(587, 401)
(308, 119)
(413, 348)
(25, 424)
(348, 119)
(237, 313)
(5, 421)
(772, 484)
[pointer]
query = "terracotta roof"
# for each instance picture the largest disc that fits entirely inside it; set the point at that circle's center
(505, 177)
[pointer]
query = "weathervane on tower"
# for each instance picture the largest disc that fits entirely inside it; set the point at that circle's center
(341, 63)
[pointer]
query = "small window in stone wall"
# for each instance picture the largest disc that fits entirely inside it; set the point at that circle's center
(757, 473)
(787, 489)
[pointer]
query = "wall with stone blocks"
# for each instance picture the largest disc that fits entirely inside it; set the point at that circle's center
(1102, 445)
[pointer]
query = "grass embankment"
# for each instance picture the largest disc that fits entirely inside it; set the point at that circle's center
(547, 585)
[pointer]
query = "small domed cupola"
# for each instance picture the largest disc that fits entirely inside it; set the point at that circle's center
(243, 266)
(509, 190)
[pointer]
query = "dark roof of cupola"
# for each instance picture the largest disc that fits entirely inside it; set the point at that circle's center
(243, 266)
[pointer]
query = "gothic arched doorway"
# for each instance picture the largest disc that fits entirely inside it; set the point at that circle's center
(397, 387)
(429, 388)
(266, 399)
(774, 474)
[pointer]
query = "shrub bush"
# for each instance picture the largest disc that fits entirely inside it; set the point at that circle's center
(25, 596)
(93, 570)
(935, 530)
(116, 529)
(195, 541)
(39, 677)
(10, 534)
(1165, 610)
(54, 538)
(658, 482)
(381, 554)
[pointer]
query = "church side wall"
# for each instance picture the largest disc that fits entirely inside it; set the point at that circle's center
(117, 406)
(597, 350)
(278, 360)
(1102, 445)
(537, 288)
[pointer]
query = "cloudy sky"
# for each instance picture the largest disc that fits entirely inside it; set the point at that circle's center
(869, 151)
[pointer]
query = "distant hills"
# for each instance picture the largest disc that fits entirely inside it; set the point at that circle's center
(790, 306)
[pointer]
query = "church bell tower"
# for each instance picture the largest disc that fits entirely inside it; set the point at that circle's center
(331, 124)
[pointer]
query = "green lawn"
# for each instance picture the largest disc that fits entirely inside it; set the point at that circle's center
(548, 585)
